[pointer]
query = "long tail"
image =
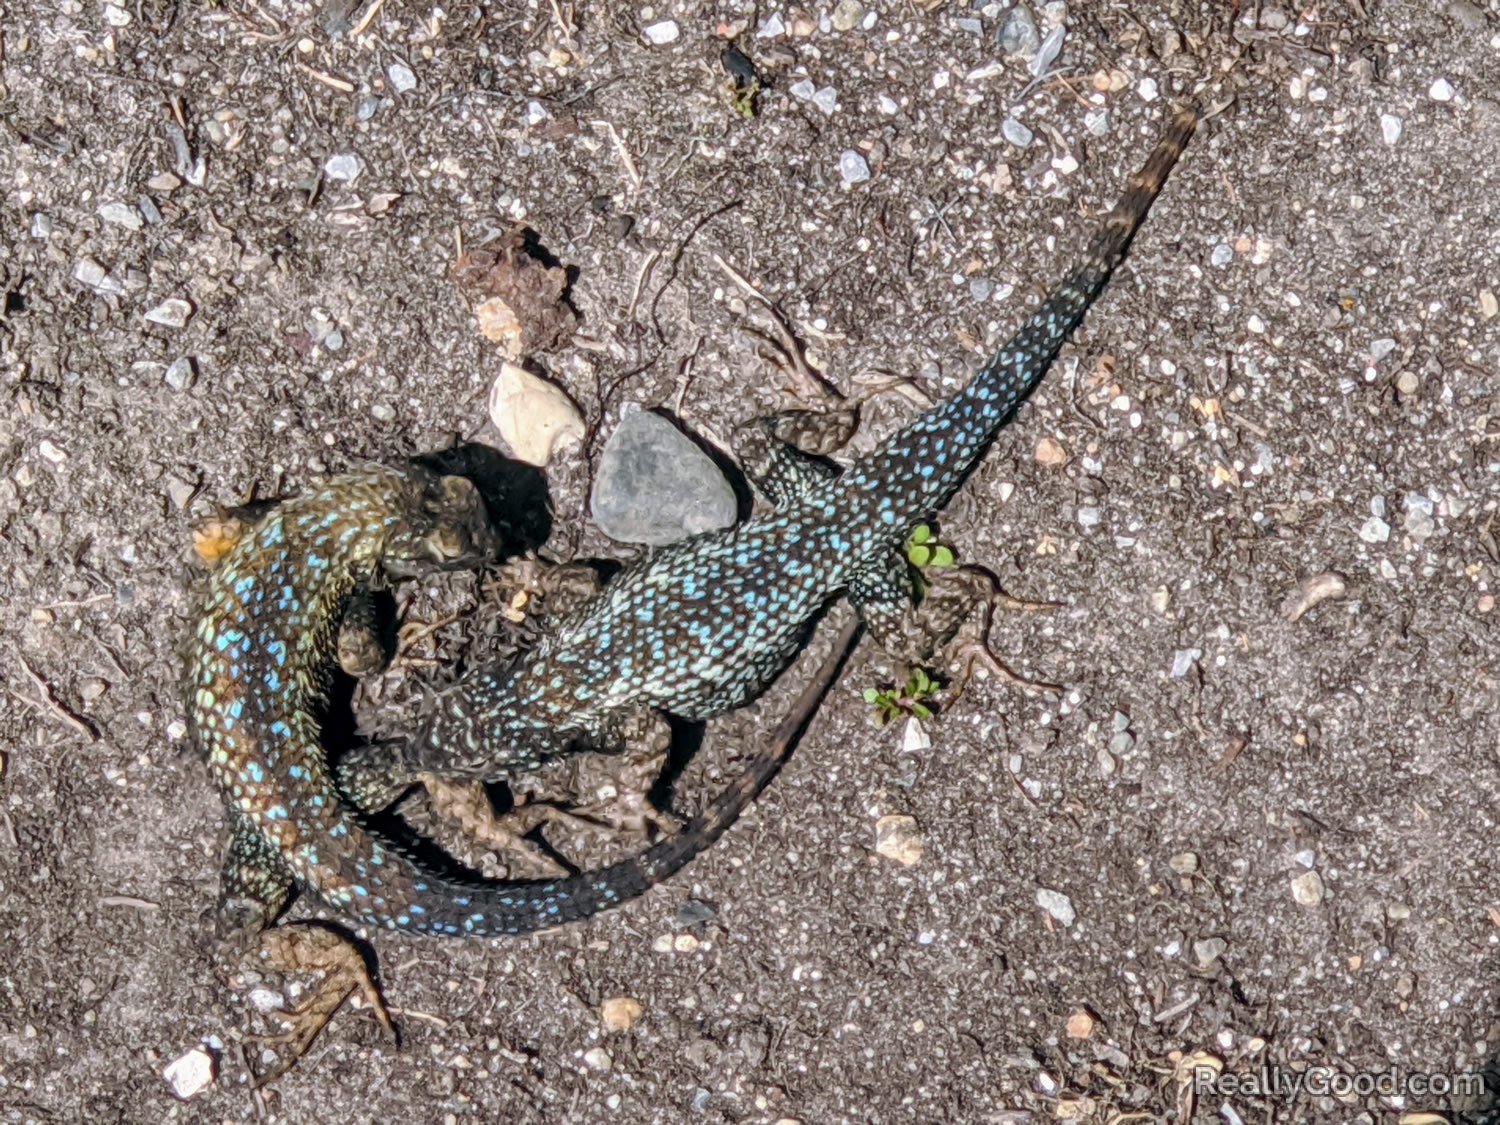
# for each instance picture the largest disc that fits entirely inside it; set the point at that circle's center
(918, 469)
(486, 909)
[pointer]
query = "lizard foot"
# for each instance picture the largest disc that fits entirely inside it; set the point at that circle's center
(962, 635)
(466, 805)
(312, 948)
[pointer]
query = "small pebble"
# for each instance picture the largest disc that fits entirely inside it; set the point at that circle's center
(1081, 1023)
(663, 33)
(847, 15)
(1390, 128)
(345, 166)
(181, 373)
(401, 78)
(1441, 91)
(773, 27)
(51, 452)
(619, 1013)
(1209, 950)
(1049, 452)
(1183, 660)
(1184, 863)
(1221, 255)
(914, 737)
(1019, 37)
(164, 181)
(1057, 904)
(41, 227)
(899, 838)
(1375, 530)
(598, 1059)
(1016, 133)
(1311, 591)
(1489, 305)
(685, 943)
(174, 312)
(1407, 383)
(1307, 888)
(1381, 348)
(853, 168)
(1148, 90)
(534, 418)
(192, 1073)
(121, 215)
(1047, 53)
(826, 99)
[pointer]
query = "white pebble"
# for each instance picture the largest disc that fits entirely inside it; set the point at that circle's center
(122, 215)
(1057, 904)
(1148, 90)
(174, 312)
(1307, 888)
(399, 75)
(344, 166)
(1390, 128)
(1221, 255)
(663, 33)
(1375, 530)
(534, 418)
(191, 1074)
(1441, 91)
(914, 738)
(853, 168)
(773, 27)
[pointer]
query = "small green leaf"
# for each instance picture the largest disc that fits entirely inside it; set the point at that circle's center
(871, 695)
(943, 556)
(920, 555)
(920, 534)
(921, 710)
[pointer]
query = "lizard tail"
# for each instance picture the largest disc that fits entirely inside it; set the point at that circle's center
(441, 906)
(946, 442)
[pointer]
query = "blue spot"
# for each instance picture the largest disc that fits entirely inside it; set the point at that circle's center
(280, 729)
(245, 584)
(277, 651)
(254, 772)
(316, 561)
(273, 536)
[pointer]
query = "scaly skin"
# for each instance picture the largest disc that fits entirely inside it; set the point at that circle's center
(703, 626)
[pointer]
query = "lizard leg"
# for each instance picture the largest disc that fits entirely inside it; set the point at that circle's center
(949, 625)
(307, 947)
(783, 453)
(255, 887)
(959, 607)
(364, 644)
(884, 597)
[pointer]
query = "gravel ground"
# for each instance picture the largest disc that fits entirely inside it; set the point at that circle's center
(1239, 839)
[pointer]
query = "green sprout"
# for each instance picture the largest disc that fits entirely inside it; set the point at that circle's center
(923, 549)
(890, 703)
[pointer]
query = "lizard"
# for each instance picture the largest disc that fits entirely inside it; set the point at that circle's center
(260, 667)
(702, 626)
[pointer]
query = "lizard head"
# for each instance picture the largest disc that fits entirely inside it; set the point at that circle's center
(445, 526)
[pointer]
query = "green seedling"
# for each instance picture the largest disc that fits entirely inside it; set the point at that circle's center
(923, 549)
(889, 703)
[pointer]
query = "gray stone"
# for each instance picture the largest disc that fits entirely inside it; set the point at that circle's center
(656, 486)
(1018, 34)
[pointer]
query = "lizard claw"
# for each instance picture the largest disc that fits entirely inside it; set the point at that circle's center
(312, 948)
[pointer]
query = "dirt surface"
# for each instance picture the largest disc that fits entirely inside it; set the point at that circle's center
(1276, 839)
